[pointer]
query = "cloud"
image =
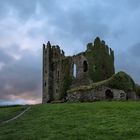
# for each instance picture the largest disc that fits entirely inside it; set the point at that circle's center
(135, 50)
(21, 79)
(128, 61)
(21, 9)
(4, 57)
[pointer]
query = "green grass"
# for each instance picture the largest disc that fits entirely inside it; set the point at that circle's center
(77, 121)
(8, 112)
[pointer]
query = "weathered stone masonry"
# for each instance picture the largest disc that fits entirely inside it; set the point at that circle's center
(61, 72)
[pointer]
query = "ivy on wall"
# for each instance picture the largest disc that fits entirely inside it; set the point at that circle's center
(67, 79)
(100, 60)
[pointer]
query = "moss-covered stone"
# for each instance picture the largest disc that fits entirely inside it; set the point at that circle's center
(67, 79)
(100, 60)
(121, 81)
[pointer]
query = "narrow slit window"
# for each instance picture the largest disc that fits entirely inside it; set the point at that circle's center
(45, 84)
(58, 73)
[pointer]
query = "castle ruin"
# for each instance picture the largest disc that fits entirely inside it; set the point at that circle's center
(61, 73)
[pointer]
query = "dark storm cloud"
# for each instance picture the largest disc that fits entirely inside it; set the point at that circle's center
(21, 77)
(24, 9)
(69, 19)
(4, 57)
(75, 21)
(26, 24)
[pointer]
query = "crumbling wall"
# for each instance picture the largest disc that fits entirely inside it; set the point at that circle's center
(66, 76)
(96, 94)
(82, 77)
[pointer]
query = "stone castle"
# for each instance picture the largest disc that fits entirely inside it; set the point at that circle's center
(87, 76)
(61, 72)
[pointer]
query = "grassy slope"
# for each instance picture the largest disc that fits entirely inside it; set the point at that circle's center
(82, 121)
(9, 111)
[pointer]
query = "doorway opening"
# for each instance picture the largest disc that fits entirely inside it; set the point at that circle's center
(108, 94)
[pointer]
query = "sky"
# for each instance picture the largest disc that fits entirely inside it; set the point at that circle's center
(26, 24)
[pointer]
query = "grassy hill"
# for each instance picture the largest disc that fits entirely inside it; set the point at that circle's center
(77, 121)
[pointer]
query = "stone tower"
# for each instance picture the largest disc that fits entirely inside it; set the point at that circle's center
(61, 72)
(52, 56)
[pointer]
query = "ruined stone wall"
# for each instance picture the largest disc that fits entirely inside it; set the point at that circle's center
(82, 76)
(67, 76)
(100, 93)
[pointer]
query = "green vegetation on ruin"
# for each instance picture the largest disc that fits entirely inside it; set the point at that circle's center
(121, 81)
(67, 79)
(76, 121)
(100, 60)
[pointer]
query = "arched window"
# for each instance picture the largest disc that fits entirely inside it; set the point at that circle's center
(85, 66)
(74, 70)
